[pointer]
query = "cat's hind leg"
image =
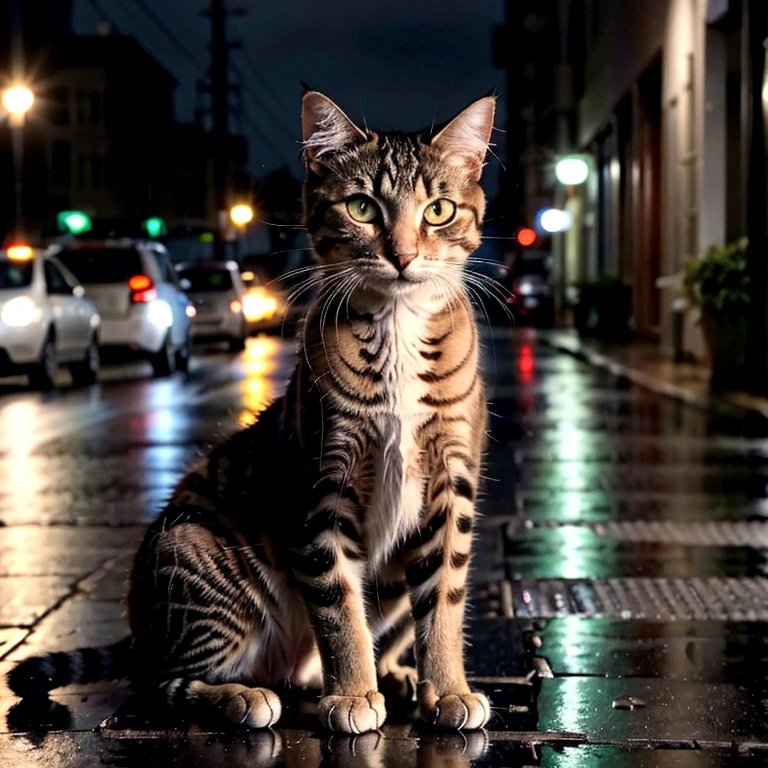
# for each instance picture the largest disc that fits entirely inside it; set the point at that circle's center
(241, 704)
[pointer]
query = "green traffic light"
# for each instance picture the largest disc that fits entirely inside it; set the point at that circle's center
(154, 226)
(75, 222)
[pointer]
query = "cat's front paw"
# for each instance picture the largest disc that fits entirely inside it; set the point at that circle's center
(353, 714)
(468, 711)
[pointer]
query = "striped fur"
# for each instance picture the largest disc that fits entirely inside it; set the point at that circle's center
(315, 547)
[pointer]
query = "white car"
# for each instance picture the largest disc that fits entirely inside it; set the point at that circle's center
(218, 292)
(45, 319)
(136, 290)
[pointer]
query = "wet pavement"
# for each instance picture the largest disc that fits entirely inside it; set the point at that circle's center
(620, 590)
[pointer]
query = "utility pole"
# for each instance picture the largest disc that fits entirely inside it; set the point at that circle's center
(754, 32)
(219, 88)
(220, 112)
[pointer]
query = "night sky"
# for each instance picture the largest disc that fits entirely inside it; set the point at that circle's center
(394, 63)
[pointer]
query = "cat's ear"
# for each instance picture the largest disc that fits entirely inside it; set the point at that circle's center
(326, 129)
(464, 140)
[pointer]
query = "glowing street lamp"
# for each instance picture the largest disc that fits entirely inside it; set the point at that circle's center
(554, 220)
(17, 101)
(241, 215)
(572, 170)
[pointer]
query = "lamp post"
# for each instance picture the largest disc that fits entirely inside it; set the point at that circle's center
(17, 101)
(241, 216)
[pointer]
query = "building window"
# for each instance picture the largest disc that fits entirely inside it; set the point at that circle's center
(58, 105)
(81, 107)
(61, 163)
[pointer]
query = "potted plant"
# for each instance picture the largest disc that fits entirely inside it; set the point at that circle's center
(716, 281)
(602, 307)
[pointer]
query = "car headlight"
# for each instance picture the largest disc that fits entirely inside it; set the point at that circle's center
(525, 288)
(20, 312)
(259, 305)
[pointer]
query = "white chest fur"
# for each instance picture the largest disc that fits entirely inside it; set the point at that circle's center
(397, 498)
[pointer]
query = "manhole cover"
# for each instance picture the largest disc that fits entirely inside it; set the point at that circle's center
(672, 599)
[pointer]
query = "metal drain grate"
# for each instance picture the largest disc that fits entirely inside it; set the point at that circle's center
(696, 534)
(643, 598)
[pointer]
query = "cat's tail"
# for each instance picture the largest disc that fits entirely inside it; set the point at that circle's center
(37, 675)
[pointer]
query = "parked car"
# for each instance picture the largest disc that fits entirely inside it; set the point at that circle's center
(136, 290)
(219, 295)
(45, 319)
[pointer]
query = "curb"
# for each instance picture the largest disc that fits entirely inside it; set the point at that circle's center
(725, 402)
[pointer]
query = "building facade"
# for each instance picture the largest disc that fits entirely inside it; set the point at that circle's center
(660, 116)
(657, 95)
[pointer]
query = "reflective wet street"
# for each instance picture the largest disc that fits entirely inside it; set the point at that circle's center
(620, 598)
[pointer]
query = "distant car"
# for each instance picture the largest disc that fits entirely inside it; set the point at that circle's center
(264, 305)
(136, 290)
(45, 319)
(529, 279)
(219, 296)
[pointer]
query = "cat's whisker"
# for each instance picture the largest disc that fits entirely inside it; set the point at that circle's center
(299, 227)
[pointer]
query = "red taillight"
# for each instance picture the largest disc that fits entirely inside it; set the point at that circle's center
(140, 283)
(142, 289)
(141, 297)
(235, 306)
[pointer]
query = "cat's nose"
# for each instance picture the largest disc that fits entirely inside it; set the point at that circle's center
(404, 259)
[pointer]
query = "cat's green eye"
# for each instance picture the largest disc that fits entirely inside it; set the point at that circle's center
(440, 212)
(362, 209)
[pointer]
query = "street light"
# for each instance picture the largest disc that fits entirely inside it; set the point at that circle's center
(554, 220)
(241, 214)
(572, 170)
(17, 100)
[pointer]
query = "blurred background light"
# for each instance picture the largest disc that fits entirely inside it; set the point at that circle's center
(241, 215)
(75, 222)
(18, 100)
(554, 220)
(572, 171)
(526, 237)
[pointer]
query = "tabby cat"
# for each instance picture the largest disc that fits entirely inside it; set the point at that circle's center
(316, 546)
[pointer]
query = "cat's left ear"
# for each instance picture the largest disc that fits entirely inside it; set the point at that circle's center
(464, 141)
(326, 129)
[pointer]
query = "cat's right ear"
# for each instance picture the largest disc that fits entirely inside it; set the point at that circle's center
(325, 128)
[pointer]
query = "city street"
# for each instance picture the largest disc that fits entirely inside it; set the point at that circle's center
(619, 603)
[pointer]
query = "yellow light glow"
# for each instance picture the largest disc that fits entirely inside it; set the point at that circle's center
(241, 214)
(18, 99)
(19, 252)
(259, 305)
(248, 276)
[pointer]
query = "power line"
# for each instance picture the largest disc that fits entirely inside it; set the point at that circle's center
(195, 60)
(266, 85)
(265, 139)
(276, 119)
(247, 119)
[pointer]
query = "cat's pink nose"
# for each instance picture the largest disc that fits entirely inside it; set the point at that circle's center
(404, 259)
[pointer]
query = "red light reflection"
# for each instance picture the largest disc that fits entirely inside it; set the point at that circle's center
(526, 364)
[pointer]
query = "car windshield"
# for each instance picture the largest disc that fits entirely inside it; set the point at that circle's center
(533, 266)
(201, 279)
(15, 274)
(101, 265)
